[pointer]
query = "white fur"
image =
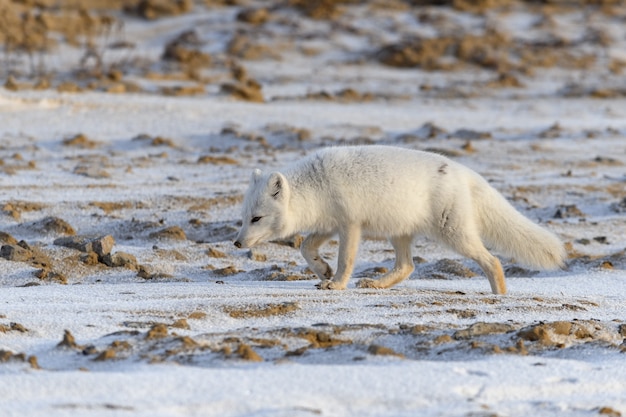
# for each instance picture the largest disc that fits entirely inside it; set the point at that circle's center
(391, 192)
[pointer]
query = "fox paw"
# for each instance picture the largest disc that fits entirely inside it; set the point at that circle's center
(368, 283)
(330, 285)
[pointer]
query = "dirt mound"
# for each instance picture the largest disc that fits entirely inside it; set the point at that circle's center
(50, 226)
(169, 233)
(156, 9)
(261, 311)
(563, 334)
(488, 51)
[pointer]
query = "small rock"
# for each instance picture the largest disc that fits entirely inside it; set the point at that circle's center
(601, 239)
(90, 258)
(103, 245)
(145, 272)
(15, 253)
(100, 245)
(126, 260)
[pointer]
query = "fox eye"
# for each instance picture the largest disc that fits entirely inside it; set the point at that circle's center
(255, 219)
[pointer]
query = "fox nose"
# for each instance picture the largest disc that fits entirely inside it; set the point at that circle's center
(237, 243)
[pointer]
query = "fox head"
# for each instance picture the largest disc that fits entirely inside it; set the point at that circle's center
(264, 214)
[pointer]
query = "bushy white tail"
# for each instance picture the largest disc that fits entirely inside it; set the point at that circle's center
(507, 231)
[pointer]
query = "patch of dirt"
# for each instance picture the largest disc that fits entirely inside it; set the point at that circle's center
(215, 253)
(217, 160)
(156, 9)
(568, 211)
(562, 334)
(247, 47)
(12, 327)
(254, 16)
(169, 233)
(16, 208)
(445, 269)
(261, 311)
(51, 226)
(246, 353)
(184, 50)
(8, 356)
(278, 273)
(109, 207)
(80, 141)
(318, 339)
(158, 331)
(379, 350)
(482, 329)
(248, 91)
(155, 140)
(347, 95)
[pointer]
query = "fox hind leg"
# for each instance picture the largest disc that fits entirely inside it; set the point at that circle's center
(310, 251)
(493, 269)
(471, 246)
(402, 269)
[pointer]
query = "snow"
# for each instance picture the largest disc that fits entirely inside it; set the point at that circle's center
(194, 369)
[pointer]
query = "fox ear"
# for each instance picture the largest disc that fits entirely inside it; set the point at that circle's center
(256, 175)
(277, 186)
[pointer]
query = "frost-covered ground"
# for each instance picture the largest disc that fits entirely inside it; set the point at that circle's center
(172, 319)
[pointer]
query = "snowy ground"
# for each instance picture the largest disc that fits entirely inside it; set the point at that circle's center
(195, 326)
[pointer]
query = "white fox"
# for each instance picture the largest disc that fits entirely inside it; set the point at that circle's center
(397, 193)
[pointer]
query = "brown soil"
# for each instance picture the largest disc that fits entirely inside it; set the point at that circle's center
(261, 311)
(170, 233)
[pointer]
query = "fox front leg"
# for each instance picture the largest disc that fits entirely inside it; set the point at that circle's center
(310, 250)
(348, 246)
(403, 268)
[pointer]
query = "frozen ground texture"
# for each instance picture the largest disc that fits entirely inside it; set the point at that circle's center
(190, 325)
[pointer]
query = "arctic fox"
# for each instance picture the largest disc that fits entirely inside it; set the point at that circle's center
(396, 193)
